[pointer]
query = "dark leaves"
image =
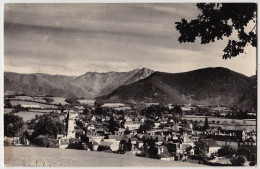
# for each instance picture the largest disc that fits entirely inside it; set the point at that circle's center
(218, 20)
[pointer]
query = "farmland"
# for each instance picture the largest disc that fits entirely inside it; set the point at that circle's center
(48, 157)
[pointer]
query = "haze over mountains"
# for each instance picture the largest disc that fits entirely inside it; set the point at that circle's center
(210, 86)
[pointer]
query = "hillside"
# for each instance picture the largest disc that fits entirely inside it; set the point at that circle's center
(51, 157)
(210, 86)
(89, 85)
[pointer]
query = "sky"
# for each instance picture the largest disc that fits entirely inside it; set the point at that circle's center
(72, 39)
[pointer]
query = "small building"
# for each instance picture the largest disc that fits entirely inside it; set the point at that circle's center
(213, 147)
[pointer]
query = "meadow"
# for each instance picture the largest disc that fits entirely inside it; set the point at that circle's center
(51, 157)
(221, 120)
(22, 102)
(28, 115)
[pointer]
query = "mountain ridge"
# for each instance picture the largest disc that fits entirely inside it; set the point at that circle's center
(210, 86)
(89, 85)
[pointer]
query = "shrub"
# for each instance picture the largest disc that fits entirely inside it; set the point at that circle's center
(238, 160)
(252, 163)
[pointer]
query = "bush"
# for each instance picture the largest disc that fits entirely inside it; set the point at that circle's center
(226, 151)
(238, 160)
(13, 125)
(8, 141)
(252, 163)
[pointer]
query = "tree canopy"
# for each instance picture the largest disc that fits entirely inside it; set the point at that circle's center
(220, 20)
(48, 125)
(13, 125)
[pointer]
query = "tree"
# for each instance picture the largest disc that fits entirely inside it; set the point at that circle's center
(13, 125)
(238, 160)
(47, 125)
(112, 125)
(206, 123)
(218, 20)
(177, 110)
(201, 148)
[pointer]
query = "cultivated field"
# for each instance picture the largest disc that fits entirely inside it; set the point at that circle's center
(51, 157)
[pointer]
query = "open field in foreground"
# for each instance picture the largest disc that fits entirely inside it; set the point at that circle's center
(35, 156)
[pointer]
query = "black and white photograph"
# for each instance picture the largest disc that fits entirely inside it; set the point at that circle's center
(130, 84)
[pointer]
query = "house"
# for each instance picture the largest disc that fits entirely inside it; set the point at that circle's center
(213, 147)
(249, 145)
(163, 121)
(135, 150)
(156, 125)
(139, 144)
(163, 151)
(115, 137)
(16, 141)
(63, 143)
(130, 125)
(112, 144)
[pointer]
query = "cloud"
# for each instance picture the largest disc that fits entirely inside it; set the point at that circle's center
(72, 39)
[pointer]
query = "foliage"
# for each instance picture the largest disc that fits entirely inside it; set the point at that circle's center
(206, 123)
(218, 20)
(252, 163)
(242, 151)
(226, 150)
(177, 110)
(155, 111)
(7, 103)
(45, 141)
(147, 125)
(201, 148)
(72, 100)
(238, 160)
(13, 125)
(7, 141)
(48, 125)
(48, 100)
(112, 125)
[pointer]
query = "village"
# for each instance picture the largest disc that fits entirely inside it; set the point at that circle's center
(210, 135)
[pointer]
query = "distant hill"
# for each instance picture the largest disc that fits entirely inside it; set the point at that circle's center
(210, 86)
(89, 85)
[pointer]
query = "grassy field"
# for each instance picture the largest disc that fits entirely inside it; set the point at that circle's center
(48, 157)
(29, 98)
(27, 115)
(244, 124)
(221, 120)
(16, 102)
(87, 101)
(58, 100)
(7, 110)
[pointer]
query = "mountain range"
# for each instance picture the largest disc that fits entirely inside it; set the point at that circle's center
(210, 86)
(89, 85)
